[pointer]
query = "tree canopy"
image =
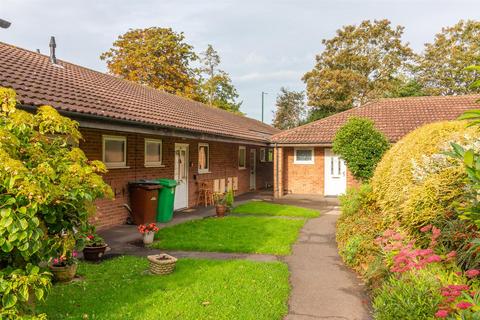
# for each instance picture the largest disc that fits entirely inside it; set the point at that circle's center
(157, 57)
(358, 64)
(441, 68)
(361, 145)
(290, 109)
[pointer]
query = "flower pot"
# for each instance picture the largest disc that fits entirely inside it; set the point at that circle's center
(94, 253)
(148, 237)
(220, 209)
(162, 263)
(64, 273)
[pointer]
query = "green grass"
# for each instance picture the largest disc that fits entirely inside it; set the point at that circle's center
(198, 289)
(274, 209)
(232, 234)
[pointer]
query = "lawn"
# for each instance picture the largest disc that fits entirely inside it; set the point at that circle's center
(198, 289)
(232, 234)
(274, 209)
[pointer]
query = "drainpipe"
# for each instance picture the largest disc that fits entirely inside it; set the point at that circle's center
(275, 189)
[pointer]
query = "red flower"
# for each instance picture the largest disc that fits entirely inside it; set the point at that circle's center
(90, 237)
(472, 273)
(441, 314)
(464, 305)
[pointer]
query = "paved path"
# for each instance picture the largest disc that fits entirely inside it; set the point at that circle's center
(322, 287)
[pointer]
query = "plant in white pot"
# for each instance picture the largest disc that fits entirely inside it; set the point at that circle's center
(148, 231)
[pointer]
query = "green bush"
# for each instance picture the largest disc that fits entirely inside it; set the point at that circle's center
(410, 296)
(351, 250)
(355, 199)
(361, 146)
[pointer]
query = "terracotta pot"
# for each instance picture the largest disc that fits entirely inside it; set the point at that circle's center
(94, 253)
(64, 273)
(220, 209)
(148, 237)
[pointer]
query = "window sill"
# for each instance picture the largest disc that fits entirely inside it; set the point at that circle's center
(154, 165)
(242, 168)
(304, 163)
(204, 172)
(118, 167)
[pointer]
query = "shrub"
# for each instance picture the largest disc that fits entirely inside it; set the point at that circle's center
(414, 295)
(352, 249)
(415, 183)
(361, 146)
(47, 189)
(355, 199)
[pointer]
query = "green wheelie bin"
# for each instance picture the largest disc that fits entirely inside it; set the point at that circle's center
(166, 199)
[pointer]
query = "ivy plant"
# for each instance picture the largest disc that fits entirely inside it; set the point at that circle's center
(47, 190)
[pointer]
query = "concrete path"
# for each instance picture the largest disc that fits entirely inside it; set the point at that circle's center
(322, 287)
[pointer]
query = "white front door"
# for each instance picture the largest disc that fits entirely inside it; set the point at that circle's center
(253, 169)
(181, 176)
(335, 174)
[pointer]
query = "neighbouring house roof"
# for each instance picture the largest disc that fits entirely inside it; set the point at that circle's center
(395, 117)
(75, 89)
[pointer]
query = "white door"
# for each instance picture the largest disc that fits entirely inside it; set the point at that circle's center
(335, 174)
(181, 175)
(253, 169)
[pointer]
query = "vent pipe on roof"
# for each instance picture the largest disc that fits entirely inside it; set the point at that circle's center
(52, 46)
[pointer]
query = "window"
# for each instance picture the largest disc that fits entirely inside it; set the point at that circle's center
(270, 155)
(114, 151)
(153, 153)
(203, 158)
(262, 154)
(242, 156)
(303, 156)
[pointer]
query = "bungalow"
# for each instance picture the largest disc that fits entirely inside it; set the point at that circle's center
(143, 133)
(305, 164)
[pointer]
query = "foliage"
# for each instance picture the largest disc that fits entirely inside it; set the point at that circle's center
(227, 199)
(355, 199)
(209, 289)
(67, 259)
(290, 110)
(274, 209)
(361, 145)
(407, 88)
(352, 250)
(217, 87)
(87, 236)
(157, 57)
(416, 183)
(47, 189)
(362, 62)
(232, 234)
(412, 296)
(441, 68)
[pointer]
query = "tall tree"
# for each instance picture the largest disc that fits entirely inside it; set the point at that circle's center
(441, 68)
(290, 110)
(157, 57)
(359, 64)
(217, 87)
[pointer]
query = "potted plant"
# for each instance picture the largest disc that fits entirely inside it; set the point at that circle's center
(64, 267)
(93, 245)
(148, 231)
(223, 203)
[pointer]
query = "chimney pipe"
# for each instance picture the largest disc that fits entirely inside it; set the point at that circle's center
(52, 46)
(4, 24)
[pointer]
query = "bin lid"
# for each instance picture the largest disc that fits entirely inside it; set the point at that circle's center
(167, 182)
(144, 182)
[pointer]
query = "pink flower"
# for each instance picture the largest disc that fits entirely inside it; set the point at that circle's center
(433, 258)
(426, 228)
(472, 273)
(74, 254)
(441, 314)
(55, 261)
(464, 305)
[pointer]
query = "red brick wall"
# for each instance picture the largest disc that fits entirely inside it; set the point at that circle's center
(303, 178)
(223, 164)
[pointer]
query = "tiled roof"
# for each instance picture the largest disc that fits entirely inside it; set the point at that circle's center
(68, 87)
(394, 117)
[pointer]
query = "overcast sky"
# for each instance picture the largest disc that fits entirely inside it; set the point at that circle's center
(263, 44)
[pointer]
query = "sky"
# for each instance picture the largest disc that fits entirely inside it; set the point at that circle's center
(264, 44)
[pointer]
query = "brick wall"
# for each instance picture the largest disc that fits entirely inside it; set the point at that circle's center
(223, 164)
(303, 178)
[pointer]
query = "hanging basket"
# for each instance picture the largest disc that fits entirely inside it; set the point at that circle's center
(162, 263)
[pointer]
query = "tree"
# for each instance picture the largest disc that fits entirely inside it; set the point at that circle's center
(407, 88)
(217, 87)
(441, 67)
(47, 190)
(290, 109)
(157, 57)
(359, 64)
(361, 146)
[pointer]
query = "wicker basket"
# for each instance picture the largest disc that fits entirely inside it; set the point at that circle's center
(162, 263)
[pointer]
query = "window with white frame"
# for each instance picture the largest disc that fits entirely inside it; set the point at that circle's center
(303, 156)
(270, 155)
(262, 154)
(203, 158)
(114, 151)
(153, 153)
(242, 157)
